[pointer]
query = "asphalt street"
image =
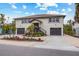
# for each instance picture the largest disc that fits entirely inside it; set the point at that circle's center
(10, 50)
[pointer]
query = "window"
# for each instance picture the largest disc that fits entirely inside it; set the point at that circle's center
(25, 21)
(49, 19)
(55, 19)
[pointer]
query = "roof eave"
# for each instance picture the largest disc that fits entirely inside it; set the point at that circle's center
(33, 17)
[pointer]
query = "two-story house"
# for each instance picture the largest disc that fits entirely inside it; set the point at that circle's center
(1, 27)
(50, 24)
(75, 27)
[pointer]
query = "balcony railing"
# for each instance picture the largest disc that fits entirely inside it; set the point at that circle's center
(43, 30)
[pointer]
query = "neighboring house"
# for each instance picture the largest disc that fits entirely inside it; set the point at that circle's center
(75, 27)
(50, 24)
(1, 27)
(1, 23)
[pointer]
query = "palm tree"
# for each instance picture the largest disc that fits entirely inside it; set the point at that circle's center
(13, 27)
(2, 17)
(77, 12)
(69, 21)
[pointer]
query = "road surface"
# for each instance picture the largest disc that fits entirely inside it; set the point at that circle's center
(10, 50)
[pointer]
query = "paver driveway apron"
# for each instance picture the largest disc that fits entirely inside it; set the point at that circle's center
(72, 40)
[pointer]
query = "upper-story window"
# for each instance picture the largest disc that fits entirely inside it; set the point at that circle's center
(25, 20)
(55, 19)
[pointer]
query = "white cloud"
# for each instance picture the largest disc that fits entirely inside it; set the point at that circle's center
(55, 12)
(52, 12)
(17, 11)
(50, 4)
(13, 6)
(70, 3)
(26, 12)
(63, 13)
(16, 15)
(11, 3)
(32, 13)
(69, 9)
(24, 7)
(63, 10)
(44, 6)
(38, 5)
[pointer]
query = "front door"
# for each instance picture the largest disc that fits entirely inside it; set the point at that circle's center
(36, 24)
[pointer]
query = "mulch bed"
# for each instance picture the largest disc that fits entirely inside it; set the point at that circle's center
(76, 36)
(22, 39)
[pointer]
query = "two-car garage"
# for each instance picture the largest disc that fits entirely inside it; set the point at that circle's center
(55, 31)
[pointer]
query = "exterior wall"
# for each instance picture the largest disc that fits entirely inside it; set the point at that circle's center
(0, 30)
(77, 31)
(19, 24)
(45, 24)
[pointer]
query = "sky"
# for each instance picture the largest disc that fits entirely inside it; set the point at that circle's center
(13, 10)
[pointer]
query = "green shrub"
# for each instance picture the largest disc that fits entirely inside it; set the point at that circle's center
(68, 30)
(32, 33)
(38, 34)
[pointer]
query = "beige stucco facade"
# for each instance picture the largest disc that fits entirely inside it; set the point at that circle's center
(45, 25)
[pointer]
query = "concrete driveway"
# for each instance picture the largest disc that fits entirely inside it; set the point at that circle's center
(50, 42)
(57, 42)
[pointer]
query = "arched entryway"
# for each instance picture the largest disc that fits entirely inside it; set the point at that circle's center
(37, 24)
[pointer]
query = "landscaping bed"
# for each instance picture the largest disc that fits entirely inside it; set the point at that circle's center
(22, 39)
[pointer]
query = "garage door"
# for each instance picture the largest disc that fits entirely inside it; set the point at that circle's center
(55, 31)
(20, 30)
